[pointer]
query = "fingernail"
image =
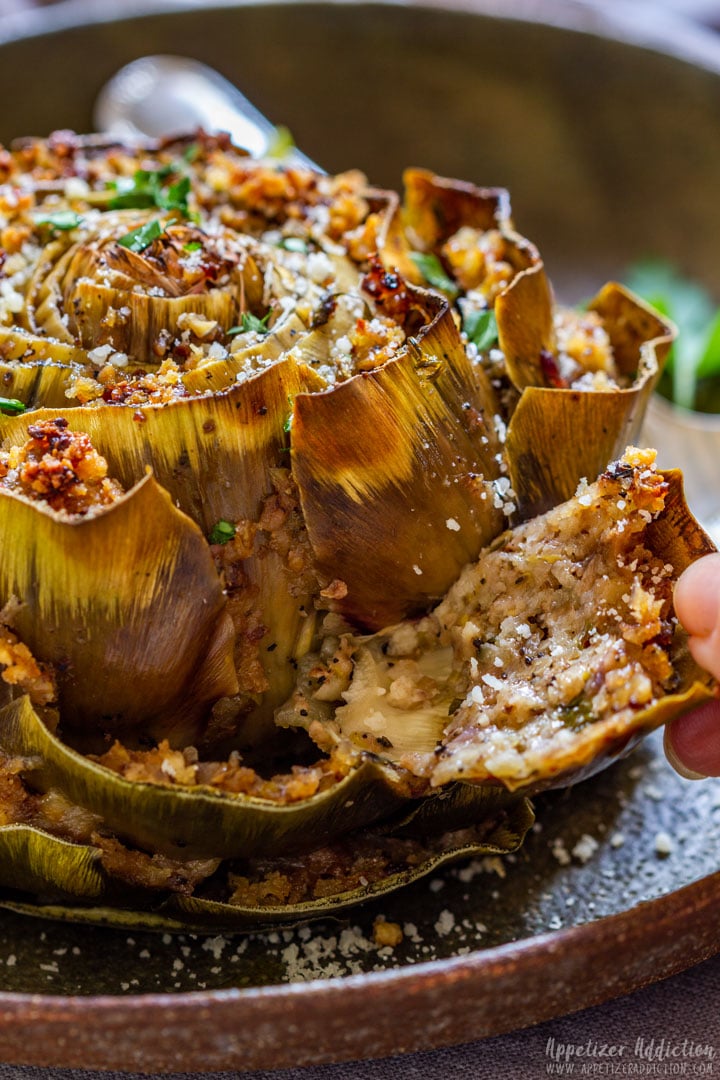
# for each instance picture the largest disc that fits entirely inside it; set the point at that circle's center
(675, 761)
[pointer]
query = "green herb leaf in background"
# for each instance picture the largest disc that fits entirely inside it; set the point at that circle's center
(696, 353)
(432, 270)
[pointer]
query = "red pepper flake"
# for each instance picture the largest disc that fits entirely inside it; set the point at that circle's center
(551, 371)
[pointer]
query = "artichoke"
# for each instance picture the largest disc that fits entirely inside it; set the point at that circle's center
(309, 580)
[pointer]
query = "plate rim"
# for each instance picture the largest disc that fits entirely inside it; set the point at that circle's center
(209, 1029)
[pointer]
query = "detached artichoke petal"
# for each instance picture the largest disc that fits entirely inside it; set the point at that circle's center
(126, 605)
(552, 654)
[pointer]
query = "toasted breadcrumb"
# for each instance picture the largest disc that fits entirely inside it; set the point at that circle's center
(60, 468)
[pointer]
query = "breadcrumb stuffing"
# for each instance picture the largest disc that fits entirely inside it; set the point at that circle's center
(61, 468)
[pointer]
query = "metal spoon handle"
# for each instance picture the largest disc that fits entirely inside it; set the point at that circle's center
(171, 95)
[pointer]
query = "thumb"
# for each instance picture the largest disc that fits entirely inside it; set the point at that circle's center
(697, 605)
(692, 742)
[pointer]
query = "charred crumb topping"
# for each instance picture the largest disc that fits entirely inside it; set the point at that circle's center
(60, 468)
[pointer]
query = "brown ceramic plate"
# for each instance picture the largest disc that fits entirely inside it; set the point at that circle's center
(620, 883)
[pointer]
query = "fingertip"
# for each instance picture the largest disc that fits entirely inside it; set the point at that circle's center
(697, 596)
(692, 742)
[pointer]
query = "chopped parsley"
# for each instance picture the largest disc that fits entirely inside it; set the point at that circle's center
(193, 245)
(62, 220)
(150, 188)
(481, 329)
(248, 322)
(432, 270)
(139, 239)
(690, 377)
(221, 532)
(11, 406)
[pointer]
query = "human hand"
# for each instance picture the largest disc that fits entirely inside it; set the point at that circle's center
(692, 741)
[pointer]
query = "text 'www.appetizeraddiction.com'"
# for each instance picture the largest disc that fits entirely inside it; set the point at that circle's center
(642, 1058)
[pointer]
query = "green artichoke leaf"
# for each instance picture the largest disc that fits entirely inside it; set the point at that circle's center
(499, 834)
(32, 861)
(415, 489)
(589, 427)
(403, 862)
(212, 453)
(126, 605)
(196, 822)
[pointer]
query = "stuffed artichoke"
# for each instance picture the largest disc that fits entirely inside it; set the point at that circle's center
(322, 547)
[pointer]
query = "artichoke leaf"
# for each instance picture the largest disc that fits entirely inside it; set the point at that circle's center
(503, 833)
(415, 489)
(222, 374)
(589, 427)
(500, 834)
(211, 453)
(37, 370)
(127, 606)
(525, 319)
(32, 861)
(217, 456)
(197, 822)
(434, 208)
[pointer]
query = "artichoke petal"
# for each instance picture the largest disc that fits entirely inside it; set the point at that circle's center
(402, 863)
(524, 314)
(35, 862)
(195, 822)
(546, 471)
(126, 604)
(414, 489)
(37, 370)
